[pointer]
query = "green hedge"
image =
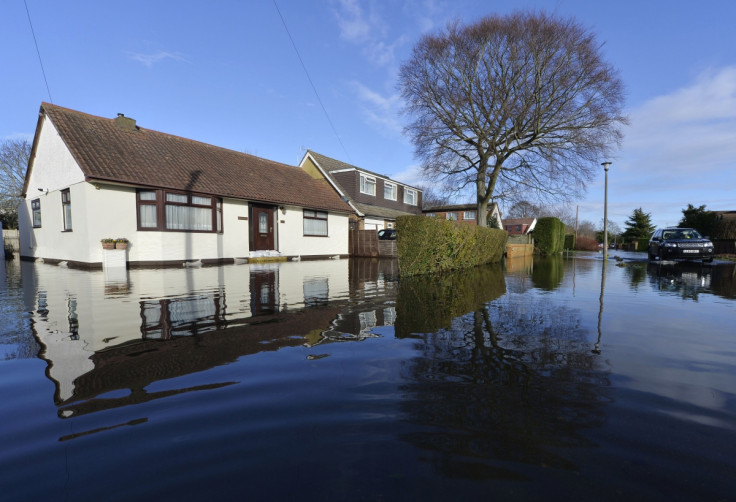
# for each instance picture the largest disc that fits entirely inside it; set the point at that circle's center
(570, 241)
(643, 245)
(428, 245)
(549, 236)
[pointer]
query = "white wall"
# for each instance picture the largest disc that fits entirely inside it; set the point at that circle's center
(293, 242)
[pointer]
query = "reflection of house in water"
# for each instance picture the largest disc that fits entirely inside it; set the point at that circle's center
(182, 313)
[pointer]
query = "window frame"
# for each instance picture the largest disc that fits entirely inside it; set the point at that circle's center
(160, 201)
(413, 201)
(451, 215)
(316, 215)
(394, 190)
(66, 204)
(36, 209)
(364, 179)
(470, 214)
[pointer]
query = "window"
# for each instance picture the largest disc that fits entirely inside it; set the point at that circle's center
(410, 196)
(518, 228)
(315, 223)
(430, 215)
(451, 216)
(389, 191)
(367, 185)
(160, 210)
(469, 215)
(36, 210)
(66, 209)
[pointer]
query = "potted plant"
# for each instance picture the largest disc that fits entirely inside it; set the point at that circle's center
(108, 243)
(121, 243)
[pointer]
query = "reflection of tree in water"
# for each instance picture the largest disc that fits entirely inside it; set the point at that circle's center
(16, 331)
(512, 381)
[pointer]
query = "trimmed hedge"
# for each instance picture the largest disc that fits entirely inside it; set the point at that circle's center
(643, 245)
(429, 245)
(549, 236)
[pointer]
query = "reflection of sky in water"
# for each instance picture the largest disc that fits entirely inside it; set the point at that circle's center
(493, 374)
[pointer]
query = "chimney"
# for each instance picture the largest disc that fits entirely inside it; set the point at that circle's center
(124, 122)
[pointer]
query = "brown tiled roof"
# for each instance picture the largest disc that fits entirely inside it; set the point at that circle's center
(329, 164)
(107, 150)
(518, 221)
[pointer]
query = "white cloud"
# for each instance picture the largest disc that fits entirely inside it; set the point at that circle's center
(365, 27)
(691, 128)
(150, 59)
(379, 110)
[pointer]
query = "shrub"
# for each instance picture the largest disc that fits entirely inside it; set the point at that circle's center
(725, 229)
(426, 245)
(643, 245)
(549, 235)
(586, 244)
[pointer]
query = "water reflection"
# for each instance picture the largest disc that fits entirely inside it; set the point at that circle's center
(690, 280)
(102, 334)
(548, 272)
(497, 377)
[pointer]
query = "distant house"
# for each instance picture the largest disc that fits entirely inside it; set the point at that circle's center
(519, 226)
(465, 213)
(377, 200)
(174, 199)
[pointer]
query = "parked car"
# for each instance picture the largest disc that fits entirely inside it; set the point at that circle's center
(387, 234)
(680, 244)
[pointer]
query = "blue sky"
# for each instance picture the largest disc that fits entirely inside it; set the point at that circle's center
(226, 73)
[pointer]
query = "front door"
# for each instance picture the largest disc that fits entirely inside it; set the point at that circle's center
(262, 222)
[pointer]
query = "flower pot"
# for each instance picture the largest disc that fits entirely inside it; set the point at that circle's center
(108, 245)
(121, 245)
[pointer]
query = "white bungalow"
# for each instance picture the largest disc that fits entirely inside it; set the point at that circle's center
(174, 199)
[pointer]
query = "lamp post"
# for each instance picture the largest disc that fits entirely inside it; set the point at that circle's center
(605, 165)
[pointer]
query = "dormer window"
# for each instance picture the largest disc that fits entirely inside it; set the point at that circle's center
(410, 196)
(367, 185)
(389, 190)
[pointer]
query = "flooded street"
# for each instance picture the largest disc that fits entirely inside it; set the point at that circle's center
(336, 380)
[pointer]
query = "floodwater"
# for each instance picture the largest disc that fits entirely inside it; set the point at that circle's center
(552, 379)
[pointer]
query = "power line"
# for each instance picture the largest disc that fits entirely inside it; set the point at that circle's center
(38, 52)
(304, 67)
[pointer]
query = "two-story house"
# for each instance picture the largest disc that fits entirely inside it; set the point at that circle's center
(465, 213)
(377, 200)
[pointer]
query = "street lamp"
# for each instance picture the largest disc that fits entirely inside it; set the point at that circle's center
(605, 165)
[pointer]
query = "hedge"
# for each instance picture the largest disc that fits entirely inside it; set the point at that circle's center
(429, 245)
(570, 241)
(549, 236)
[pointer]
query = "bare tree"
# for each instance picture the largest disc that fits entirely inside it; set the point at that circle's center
(14, 155)
(512, 105)
(524, 209)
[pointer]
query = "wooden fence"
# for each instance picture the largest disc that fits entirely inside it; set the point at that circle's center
(366, 243)
(11, 240)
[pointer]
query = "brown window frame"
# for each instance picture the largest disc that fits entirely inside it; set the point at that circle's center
(66, 201)
(36, 207)
(316, 217)
(160, 202)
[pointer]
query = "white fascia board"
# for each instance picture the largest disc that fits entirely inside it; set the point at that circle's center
(331, 182)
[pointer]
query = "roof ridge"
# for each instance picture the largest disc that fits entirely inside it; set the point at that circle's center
(174, 136)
